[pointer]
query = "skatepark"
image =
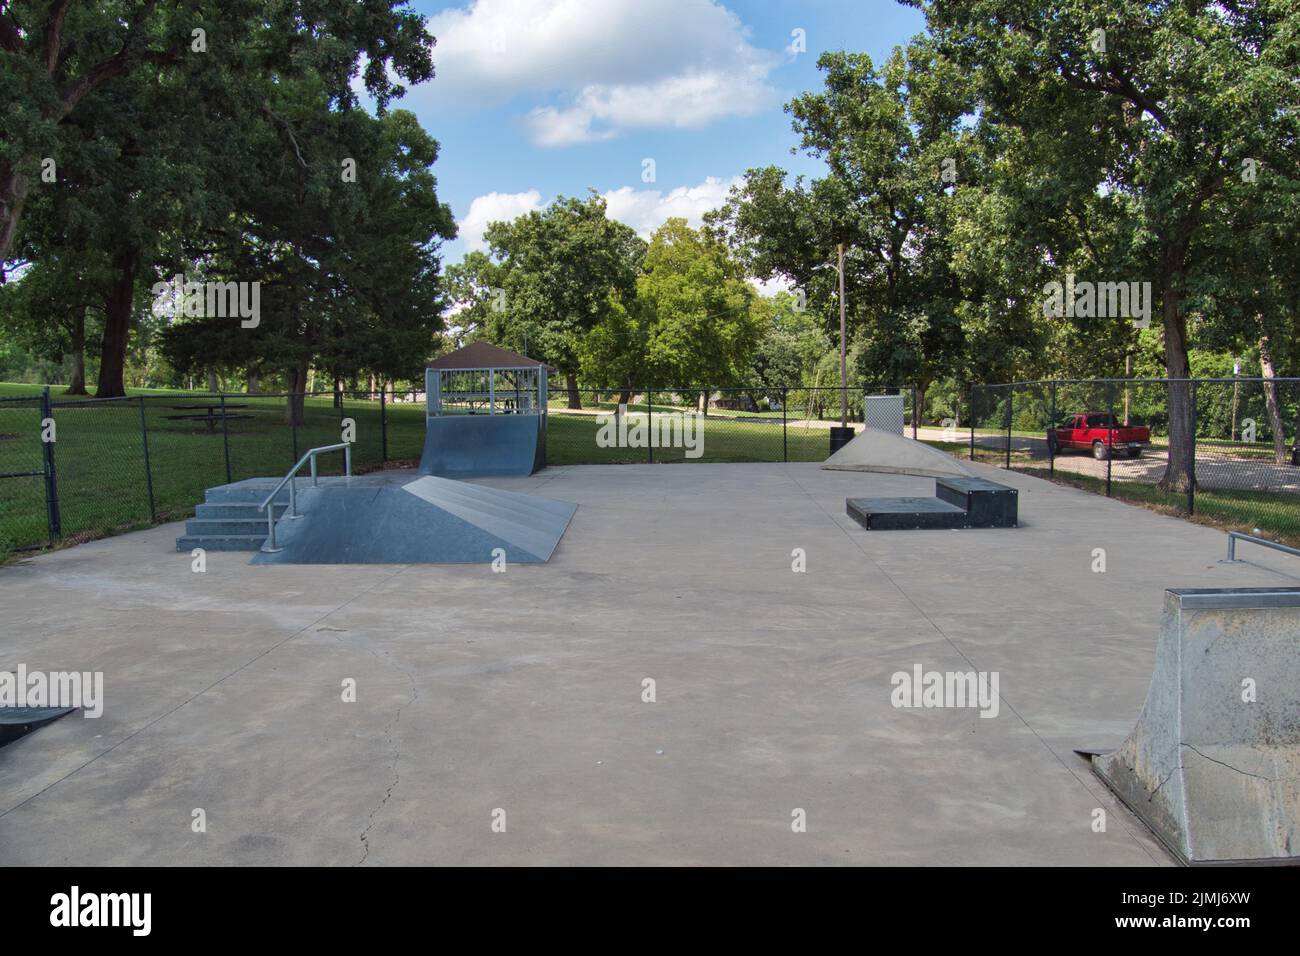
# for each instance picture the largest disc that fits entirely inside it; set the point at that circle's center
(523, 691)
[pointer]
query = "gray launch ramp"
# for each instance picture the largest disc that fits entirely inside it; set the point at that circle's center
(429, 520)
(880, 451)
(1213, 765)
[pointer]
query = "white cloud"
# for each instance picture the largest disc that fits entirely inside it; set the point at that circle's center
(683, 101)
(615, 64)
(645, 210)
(494, 207)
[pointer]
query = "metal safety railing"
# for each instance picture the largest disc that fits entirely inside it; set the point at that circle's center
(1235, 536)
(269, 546)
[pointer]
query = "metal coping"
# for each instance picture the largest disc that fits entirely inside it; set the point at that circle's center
(1211, 598)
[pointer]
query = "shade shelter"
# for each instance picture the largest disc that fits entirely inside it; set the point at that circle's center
(485, 413)
(482, 378)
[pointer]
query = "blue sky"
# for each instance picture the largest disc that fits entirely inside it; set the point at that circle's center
(539, 98)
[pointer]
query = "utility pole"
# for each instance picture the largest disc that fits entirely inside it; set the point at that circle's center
(844, 366)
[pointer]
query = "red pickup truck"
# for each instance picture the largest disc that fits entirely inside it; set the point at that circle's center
(1100, 433)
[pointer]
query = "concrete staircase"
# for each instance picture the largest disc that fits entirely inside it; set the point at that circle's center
(228, 519)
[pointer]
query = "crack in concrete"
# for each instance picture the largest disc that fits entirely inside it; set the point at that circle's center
(364, 836)
(397, 775)
(1244, 773)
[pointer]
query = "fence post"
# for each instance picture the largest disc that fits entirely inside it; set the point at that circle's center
(1110, 432)
(1051, 432)
(785, 415)
(225, 438)
(650, 422)
(1191, 485)
(383, 424)
(148, 468)
(52, 516)
(972, 422)
(1011, 392)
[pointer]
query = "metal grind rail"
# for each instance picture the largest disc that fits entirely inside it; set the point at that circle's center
(310, 456)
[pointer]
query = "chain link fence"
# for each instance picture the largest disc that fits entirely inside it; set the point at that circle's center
(1239, 466)
(72, 469)
(755, 424)
(24, 488)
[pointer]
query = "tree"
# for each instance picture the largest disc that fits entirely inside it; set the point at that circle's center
(561, 271)
(56, 53)
(1161, 104)
(85, 85)
(613, 354)
(702, 325)
(890, 139)
(793, 342)
(47, 311)
(347, 267)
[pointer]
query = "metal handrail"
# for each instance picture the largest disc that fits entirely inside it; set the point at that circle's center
(1233, 537)
(346, 447)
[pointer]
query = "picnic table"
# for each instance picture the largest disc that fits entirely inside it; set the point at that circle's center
(212, 413)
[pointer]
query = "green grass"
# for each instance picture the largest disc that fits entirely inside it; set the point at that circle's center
(571, 440)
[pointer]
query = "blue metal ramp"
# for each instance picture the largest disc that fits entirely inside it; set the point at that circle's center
(429, 520)
(468, 446)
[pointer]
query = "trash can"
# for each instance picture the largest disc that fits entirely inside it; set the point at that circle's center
(840, 437)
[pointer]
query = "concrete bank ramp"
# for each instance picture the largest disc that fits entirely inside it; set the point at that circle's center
(426, 521)
(1213, 765)
(875, 450)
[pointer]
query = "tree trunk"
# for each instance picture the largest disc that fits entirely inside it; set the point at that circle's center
(117, 327)
(624, 397)
(1297, 429)
(702, 403)
(294, 405)
(13, 193)
(1180, 469)
(78, 385)
(254, 381)
(213, 385)
(921, 389)
(571, 383)
(338, 391)
(1270, 399)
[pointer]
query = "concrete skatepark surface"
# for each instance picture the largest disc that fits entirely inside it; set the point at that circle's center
(522, 690)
